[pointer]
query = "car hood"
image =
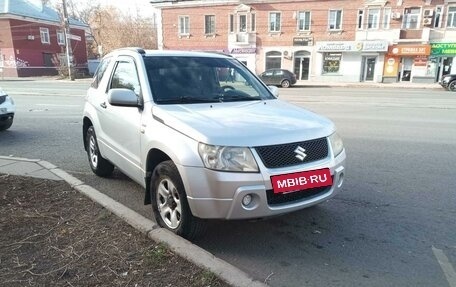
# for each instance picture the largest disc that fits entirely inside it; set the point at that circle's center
(254, 123)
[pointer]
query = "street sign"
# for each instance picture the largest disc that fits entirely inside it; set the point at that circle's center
(74, 37)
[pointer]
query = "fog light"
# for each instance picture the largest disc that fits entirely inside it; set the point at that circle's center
(247, 200)
(341, 180)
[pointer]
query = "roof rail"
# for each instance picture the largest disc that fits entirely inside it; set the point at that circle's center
(136, 49)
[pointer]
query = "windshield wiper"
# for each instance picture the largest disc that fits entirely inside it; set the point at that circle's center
(186, 100)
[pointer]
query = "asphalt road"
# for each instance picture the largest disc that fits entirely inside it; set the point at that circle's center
(393, 225)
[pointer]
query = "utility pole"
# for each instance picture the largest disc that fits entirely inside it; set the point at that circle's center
(67, 39)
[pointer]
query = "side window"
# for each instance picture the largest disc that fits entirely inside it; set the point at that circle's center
(100, 72)
(126, 77)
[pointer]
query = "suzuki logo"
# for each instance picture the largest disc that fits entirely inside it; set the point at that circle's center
(300, 153)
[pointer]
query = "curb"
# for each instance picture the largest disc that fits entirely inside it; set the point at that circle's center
(182, 247)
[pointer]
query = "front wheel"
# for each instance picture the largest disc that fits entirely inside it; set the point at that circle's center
(98, 164)
(4, 125)
(169, 202)
(452, 86)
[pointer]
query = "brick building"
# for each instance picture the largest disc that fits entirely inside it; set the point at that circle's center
(32, 39)
(333, 40)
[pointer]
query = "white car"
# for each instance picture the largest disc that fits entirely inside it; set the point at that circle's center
(7, 110)
(203, 149)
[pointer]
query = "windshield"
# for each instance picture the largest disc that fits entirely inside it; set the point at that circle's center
(183, 79)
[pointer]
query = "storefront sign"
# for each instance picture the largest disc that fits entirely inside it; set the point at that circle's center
(391, 67)
(303, 41)
(420, 61)
(410, 50)
(353, 46)
(441, 49)
(243, 51)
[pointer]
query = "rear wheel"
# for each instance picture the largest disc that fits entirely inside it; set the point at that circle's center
(452, 86)
(98, 164)
(285, 84)
(169, 202)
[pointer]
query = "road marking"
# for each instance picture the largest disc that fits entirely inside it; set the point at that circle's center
(446, 266)
(55, 105)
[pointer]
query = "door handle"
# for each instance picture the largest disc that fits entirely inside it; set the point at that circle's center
(103, 105)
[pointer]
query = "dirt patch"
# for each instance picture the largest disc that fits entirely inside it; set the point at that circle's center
(51, 235)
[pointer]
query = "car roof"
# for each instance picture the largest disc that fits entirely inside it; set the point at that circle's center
(175, 53)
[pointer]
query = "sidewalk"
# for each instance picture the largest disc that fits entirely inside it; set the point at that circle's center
(44, 170)
(399, 85)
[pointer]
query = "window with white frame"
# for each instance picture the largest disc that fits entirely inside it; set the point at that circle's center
(61, 38)
(274, 21)
(386, 18)
(242, 23)
(231, 23)
(209, 24)
(253, 22)
(44, 34)
(184, 25)
(451, 20)
(303, 21)
(360, 20)
(335, 20)
(373, 17)
(411, 18)
(438, 16)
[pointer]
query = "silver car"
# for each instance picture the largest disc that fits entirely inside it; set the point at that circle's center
(7, 110)
(203, 148)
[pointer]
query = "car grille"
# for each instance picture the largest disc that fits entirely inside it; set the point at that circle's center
(2, 99)
(280, 198)
(284, 155)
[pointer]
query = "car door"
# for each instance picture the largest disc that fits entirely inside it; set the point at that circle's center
(120, 124)
(267, 77)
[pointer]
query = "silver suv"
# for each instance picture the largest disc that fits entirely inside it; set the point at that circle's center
(204, 147)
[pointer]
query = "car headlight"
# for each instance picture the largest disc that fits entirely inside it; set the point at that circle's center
(226, 158)
(446, 79)
(337, 144)
(9, 99)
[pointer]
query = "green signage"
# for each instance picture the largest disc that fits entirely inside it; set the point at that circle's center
(443, 49)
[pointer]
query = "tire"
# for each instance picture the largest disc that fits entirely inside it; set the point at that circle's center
(452, 86)
(285, 84)
(4, 125)
(98, 164)
(170, 205)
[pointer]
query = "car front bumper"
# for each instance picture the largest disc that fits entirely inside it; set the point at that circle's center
(219, 195)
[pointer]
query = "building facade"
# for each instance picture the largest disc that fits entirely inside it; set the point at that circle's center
(335, 40)
(32, 40)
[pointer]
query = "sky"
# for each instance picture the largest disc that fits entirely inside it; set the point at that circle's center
(131, 7)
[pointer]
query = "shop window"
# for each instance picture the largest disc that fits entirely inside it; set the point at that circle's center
(273, 60)
(335, 20)
(373, 17)
(411, 18)
(209, 24)
(360, 21)
(331, 63)
(184, 27)
(303, 21)
(274, 22)
(451, 21)
(386, 18)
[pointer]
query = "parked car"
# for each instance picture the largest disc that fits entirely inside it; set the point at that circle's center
(203, 149)
(449, 82)
(278, 77)
(7, 110)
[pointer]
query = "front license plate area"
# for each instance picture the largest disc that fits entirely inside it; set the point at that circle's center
(301, 180)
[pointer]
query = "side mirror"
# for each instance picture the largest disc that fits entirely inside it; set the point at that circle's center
(123, 98)
(274, 90)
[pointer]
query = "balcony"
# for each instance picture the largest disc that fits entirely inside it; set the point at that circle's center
(242, 39)
(415, 35)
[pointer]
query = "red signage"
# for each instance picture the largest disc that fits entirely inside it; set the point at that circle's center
(301, 180)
